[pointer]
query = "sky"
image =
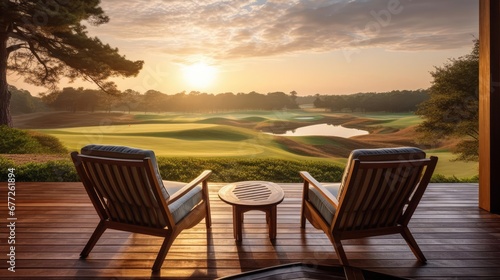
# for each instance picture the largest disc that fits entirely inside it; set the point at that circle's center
(307, 46)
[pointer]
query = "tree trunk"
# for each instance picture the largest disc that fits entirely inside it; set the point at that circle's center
(5, 118)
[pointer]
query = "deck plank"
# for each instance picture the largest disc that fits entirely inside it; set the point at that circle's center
(55, 220)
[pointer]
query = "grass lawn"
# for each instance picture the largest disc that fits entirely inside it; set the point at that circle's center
(393, 120)
(177, 140)
(448, 167)
(238, 135)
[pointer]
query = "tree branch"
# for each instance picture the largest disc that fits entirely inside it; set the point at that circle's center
(14, 48)
(96, 82)
(474, 135)
(33, 51)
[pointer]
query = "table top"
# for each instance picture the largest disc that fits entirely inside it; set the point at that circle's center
(252, 193)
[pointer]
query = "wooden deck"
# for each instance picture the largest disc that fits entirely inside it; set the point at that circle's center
(55, 220)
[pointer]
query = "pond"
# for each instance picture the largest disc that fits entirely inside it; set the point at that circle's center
(324, 130)
(304, 118)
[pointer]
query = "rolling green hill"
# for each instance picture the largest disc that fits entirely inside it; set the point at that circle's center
(238, 134)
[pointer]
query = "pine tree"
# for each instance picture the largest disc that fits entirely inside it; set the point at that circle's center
(44, 41)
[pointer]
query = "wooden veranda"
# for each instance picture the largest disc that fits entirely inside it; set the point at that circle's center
(54, 221)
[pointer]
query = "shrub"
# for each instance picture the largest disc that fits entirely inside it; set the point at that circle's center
(49, 143)
(439, 178)
(5, 164)
(232, 170)
(52, 171)
(186, 169)
(18, 141)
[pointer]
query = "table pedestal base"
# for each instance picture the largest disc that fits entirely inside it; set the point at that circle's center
(239, 210)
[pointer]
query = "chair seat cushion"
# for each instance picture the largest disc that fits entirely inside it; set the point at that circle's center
(183, 206)
(324, 207)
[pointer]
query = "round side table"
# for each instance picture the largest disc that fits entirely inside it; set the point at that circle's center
(252, 195)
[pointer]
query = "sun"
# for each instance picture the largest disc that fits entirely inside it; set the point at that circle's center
(199, 75)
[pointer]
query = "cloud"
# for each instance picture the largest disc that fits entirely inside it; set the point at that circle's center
(258, 28)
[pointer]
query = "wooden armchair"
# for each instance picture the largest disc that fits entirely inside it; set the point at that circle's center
(379, 193)
(128, 193)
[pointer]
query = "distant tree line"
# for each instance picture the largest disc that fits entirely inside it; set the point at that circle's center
(80, 99)
(22, 102)
(153, 101)
(393, 101)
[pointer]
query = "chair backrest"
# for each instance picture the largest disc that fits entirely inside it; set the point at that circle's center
(124, 190)
(382, 188)
(124, 152)
(382, 154)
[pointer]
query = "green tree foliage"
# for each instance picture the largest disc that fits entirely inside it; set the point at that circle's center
(80, 99)
(129, 100)
(23, 102)
(452, 110)
(293, 100)
(46, 40)
(153, 101)
(393, 101)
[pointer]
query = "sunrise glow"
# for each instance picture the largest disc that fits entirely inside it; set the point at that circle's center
(199, 75)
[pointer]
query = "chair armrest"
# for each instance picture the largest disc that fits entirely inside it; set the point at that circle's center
(189, 186)
(322, 190)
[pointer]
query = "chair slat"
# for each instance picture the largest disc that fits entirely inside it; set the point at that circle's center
(412, 185)
(97, 184)
(369, 209)
(125, 187)
(119, 179)
(118, 211)
(397, 183)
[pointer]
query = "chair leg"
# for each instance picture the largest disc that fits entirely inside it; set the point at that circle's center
(413, 244)
(167, 242)
(339, 249)
(99, 230)
(208, 217)
(302, 215)
(302, 208)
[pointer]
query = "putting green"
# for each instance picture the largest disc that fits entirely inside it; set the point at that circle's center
(180, 140)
